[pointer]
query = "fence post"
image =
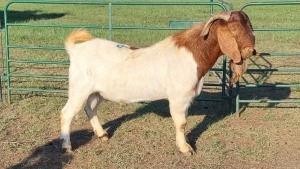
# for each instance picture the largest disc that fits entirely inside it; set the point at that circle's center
(1, 73)
(109, 21)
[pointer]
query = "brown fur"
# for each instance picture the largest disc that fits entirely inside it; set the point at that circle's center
(205, 52)
(234, 38)
(238, 69)
(78, 35)
(133, 48)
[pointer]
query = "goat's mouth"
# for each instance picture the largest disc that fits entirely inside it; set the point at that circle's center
(247, 52)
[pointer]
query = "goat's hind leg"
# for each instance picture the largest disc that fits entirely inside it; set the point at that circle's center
(73, 106)
(90, 108)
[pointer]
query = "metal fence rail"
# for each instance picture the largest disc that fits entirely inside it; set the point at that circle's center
(109, 28)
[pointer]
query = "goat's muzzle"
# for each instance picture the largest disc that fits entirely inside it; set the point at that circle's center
(240, 68)
(247, 52)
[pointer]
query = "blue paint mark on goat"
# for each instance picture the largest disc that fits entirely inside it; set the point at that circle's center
(122, 46)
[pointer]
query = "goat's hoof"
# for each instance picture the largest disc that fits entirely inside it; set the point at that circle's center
(104, 137)
(66, 150)
(187, 150)
(189, 153)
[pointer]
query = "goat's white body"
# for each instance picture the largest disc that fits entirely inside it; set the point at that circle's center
(170, 69)
(124, 75)
(101, 68)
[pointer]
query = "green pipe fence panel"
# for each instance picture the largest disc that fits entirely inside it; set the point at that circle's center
(293, 70)
(224, 2)
(2, 61)
(19, 67)
(112, 28)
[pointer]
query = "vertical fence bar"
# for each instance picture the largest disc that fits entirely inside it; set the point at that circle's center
(230, 90)
(110, 21)
(211, 8)
(237, 98)
(2, 57)
(224, 82)
(7, 54)
(0, 87)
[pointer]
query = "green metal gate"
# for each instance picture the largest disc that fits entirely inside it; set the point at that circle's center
(110, 28)
(270, 55)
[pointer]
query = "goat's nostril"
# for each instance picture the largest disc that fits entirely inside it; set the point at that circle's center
(254, 52)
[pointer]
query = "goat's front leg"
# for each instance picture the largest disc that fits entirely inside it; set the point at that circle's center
(178, 109)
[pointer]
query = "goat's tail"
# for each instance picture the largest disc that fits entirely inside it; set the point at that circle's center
(77, 36)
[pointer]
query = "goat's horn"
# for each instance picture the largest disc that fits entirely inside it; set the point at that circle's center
(221, 15)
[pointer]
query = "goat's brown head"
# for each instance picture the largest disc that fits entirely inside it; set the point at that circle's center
(235, 37)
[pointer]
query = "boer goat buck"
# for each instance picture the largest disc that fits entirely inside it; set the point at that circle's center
(172, 69)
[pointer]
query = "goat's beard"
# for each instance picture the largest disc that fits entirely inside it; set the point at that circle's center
(238, 70)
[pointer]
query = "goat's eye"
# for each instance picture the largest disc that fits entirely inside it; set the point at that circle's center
(233, 30)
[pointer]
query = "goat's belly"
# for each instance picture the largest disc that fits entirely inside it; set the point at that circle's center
(134, 93)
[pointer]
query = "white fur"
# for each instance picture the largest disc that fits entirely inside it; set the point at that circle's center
(101, 68)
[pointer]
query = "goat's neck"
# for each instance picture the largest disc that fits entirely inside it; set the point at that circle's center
(205, 51)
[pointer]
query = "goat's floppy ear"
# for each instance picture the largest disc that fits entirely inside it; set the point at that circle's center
(228, 44)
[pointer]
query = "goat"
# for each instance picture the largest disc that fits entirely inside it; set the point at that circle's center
(172, 69)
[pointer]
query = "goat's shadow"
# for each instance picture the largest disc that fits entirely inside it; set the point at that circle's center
(50, 154)
(161, 108)
(27, 15)
(212, 111)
